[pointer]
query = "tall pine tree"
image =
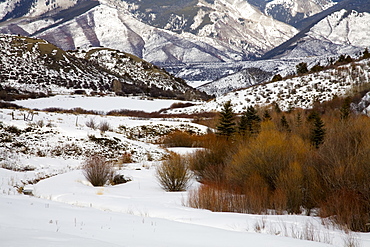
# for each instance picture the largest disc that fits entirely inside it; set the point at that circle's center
(249, 122)
(317, 133)
(226, 125)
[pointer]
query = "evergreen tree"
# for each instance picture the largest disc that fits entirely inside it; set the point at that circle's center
(301, 68)
(366, 54)
(266, 116)
(317, 68)
(276, 77)
(317, 133)
(345, 110)
(243, 125)
(341, 59)
(226, 125)
(249, 122)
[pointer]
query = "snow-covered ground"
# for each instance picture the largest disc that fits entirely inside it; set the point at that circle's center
(67, 211)
(103, 104)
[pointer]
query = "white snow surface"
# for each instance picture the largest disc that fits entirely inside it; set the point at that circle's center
(307, 7)
(67, 211)
(101, 104)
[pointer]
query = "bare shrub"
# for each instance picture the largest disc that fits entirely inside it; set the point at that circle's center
(280, 170)
(290, 183)
(97, 170)
(214, 199)
(347, 209)
(219, 198)
(173, 174)
(126, 158)
(208, 164)
(104, 126)
(351, 240)
(179, 139)
(40, 123)
(268, 155)
(346, 174)
(91, 124)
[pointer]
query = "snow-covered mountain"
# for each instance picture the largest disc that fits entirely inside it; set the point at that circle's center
(341, 29)
(236, 23)
(292, 11)
(37, 66)
(198, 40)
(159, 31)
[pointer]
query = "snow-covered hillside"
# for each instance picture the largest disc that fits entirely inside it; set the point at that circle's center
(300, 91)
(37, 66)
(344, 28)
(236, 23)
(343, 32)
(242, 79)
(70, 136)
(224, 78)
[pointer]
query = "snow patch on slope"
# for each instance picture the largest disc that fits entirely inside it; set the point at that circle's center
(43, 6)
(306, 7)
(344, 28)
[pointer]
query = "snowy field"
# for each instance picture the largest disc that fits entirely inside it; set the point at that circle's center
(103, 104)
(67, 211)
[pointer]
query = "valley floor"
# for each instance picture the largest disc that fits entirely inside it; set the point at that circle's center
(65, 210)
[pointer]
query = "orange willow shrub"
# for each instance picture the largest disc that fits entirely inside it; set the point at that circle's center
(268, 155)
(348, 209)
(208, 164)
(345, 169)
(290, 187)
(218, 199)
(183, 139)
